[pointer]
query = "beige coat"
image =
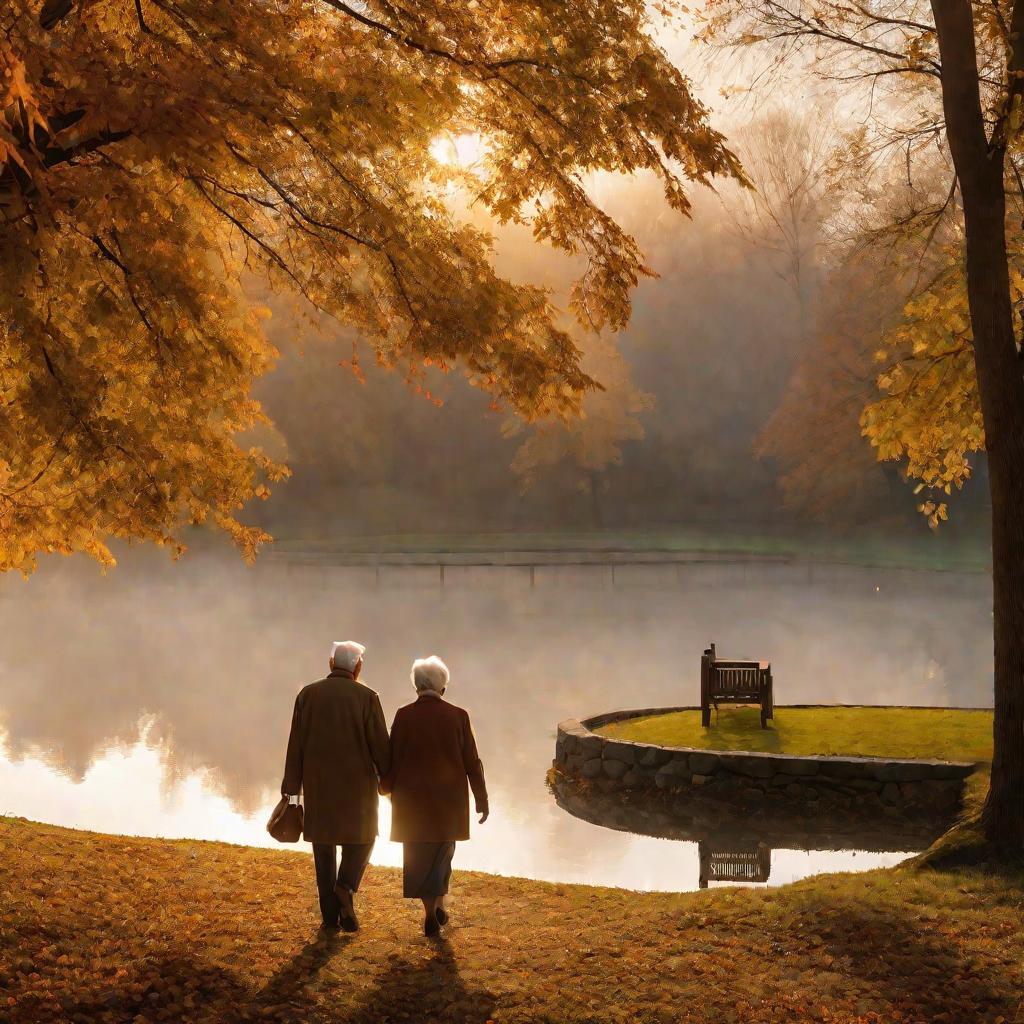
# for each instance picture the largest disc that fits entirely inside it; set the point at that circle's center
(337, 750)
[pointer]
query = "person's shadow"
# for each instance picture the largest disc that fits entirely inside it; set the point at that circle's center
(430, 989)
(285, 991)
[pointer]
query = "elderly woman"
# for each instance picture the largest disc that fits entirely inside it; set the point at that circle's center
(433, 754)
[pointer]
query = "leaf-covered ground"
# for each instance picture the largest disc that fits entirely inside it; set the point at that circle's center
(103, 928)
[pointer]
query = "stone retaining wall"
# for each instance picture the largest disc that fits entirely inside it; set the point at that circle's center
(867, 783)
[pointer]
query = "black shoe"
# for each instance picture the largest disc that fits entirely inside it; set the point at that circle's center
(431, 926)
(442, 916)
(330, 926)
(347, 915)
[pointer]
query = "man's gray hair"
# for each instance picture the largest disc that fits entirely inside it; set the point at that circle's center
(429, 675)
(346, 654)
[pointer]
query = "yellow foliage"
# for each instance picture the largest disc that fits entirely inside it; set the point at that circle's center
(156, 157)
(929, 414)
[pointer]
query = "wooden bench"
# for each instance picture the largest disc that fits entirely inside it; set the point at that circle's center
(724, 681)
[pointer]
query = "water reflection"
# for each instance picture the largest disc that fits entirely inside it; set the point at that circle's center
(203, 659)
(733, 862)
(736, 847)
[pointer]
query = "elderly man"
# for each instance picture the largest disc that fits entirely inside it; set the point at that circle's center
(337, 750)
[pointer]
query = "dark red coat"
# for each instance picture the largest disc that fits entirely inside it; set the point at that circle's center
(434, 761)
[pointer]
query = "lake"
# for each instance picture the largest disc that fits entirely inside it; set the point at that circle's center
(156, 700)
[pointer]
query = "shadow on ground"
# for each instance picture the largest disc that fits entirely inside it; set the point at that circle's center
(181, 989)
(913, 966)
(430, 989)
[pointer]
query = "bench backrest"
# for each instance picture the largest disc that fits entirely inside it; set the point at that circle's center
(726, 677)
(739, 679)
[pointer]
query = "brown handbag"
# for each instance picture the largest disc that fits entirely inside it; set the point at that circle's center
(285, 823)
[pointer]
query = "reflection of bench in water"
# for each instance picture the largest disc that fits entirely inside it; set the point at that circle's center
(727, 681)
(734, 863)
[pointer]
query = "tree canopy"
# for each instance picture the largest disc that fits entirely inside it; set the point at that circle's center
(161, 161)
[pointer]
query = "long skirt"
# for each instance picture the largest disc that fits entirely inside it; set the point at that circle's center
(426, 869)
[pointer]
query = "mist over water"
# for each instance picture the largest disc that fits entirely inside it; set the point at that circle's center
(167, 687)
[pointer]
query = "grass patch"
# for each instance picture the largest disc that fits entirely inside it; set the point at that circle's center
(946, 734)
(97, 928)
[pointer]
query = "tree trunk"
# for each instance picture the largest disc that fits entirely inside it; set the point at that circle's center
(1002, 403)
(979, 168)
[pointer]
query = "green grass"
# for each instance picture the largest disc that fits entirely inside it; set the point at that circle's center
(946, 734)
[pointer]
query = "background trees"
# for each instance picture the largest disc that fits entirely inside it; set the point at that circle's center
(153, 156)
(698, 372)
(584, 447)
(786, 156)
(951, 73)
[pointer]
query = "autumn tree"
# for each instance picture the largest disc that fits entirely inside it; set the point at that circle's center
(156, 156)
(786, 158)
(956, 71)
(886, 241)
(826, 471)
(585, 447)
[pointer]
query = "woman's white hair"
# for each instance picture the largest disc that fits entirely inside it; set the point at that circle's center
(429, 675)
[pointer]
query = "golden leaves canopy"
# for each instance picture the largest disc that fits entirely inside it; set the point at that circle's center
(157, 158)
